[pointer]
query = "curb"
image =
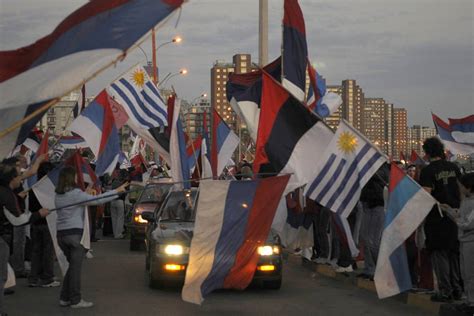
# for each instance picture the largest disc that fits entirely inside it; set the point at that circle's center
(420, 300)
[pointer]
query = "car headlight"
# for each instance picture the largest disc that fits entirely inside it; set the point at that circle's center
(139, 219)
(268, 250)
(174, 250)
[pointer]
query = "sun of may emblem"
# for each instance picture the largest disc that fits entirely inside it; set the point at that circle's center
(347, 142)
(138, 78)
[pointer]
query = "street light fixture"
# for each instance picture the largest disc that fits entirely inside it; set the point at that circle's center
(170, 75)
(176, 39)
(202, 95)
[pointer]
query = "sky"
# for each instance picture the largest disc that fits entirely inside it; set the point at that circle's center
(416, 54)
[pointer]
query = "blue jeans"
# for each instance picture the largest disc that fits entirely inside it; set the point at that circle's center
(371, 233)
(74, 252)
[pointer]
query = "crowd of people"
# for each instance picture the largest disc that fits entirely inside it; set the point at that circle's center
(25, 239)
(440, 253)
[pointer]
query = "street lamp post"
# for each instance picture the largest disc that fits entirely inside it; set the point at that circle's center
(202, 95)
(170, 75)
(175, 39)
(155, 49)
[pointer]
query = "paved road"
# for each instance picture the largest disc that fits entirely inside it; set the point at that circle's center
(115, 281)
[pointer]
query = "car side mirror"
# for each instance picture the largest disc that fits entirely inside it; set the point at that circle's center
(149, 217)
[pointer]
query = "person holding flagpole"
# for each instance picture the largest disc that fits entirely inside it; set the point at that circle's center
(440, 178)
(70, 228)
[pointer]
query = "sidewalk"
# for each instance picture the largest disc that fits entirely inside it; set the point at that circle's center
(420, 300)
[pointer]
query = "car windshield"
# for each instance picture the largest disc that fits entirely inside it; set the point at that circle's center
(155, 194)
(180, 206)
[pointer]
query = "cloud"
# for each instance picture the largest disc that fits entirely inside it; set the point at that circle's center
(415, 54)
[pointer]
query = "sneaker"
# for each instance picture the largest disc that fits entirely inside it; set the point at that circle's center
(33, 284)
(51, 284)
(121, 236)
(363, 276)
(21, 275)
(8, 291)
(321, 260)
(457, 296)
(82, 304)
(441, 298)
(344, 269)
(89, 255)
(333, 263)
(64, 303)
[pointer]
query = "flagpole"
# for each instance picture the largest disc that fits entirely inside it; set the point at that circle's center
(147, 186)
(240, 138)
(52, 102)
(153, 47)
(194, 150)
(282, 49)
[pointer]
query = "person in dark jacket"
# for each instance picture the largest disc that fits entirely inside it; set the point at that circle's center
(10, 179)
(440, 178)
(373, 220)
(42, 261)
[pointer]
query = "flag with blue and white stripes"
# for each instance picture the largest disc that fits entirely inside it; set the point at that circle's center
(347, 164)
(147, 112)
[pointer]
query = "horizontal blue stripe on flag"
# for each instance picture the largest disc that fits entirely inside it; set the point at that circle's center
(356, 186)
(234, 224)
(331, 181)
(139, 102)
(131, 106)
(399, 197)
(399, 265)
(321, 174)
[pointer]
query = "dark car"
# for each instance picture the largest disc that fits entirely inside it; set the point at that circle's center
(168, 240)
(148, 201)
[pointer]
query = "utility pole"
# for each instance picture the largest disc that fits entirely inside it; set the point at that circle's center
(263, 33)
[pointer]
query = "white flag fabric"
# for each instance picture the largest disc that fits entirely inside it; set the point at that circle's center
(146, 110)
(349, 161)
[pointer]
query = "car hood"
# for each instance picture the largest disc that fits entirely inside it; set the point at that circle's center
(176, 231)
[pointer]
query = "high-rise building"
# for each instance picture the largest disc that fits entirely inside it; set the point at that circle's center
(378, 121)
(58, 117)
(334, 119)
(400, 132)
(352, 105)
(193, 117)
(417, 135)
(241, 63)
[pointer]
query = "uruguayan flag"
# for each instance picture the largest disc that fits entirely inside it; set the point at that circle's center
(146, 110)
(347, 164)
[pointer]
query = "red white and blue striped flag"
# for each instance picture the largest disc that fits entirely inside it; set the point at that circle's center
(458, 135)
(233, 219)
(408, 205)
(96, 124)
(89, 40)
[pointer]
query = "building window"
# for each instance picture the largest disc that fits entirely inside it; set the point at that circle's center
(244, 57)
(243, 64)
